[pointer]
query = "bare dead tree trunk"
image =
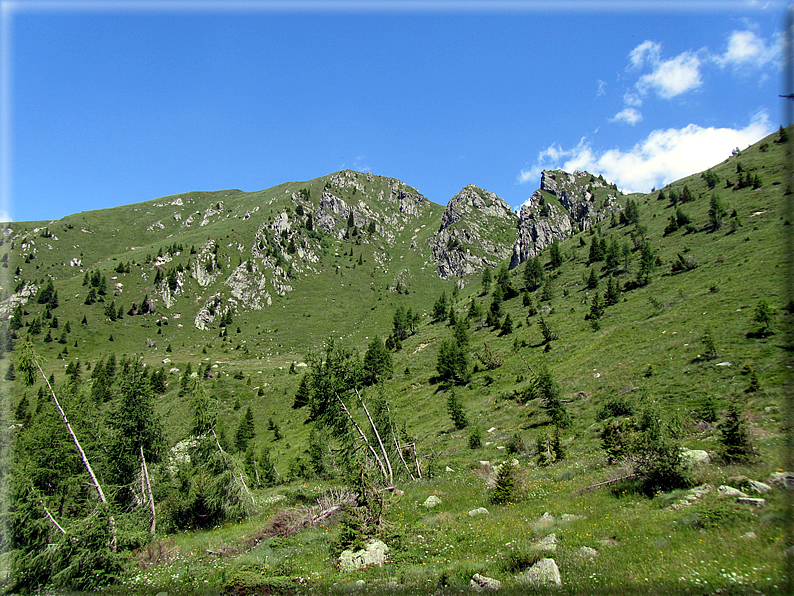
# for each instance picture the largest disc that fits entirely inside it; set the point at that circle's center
(100, 492)
(397, 443)
(148, 489)
(362, 435)
(242, 480)
(51, 518)
(528, 366)
(377, 436)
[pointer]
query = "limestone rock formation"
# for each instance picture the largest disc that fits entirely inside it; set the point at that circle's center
(476, 230)
(563, 204)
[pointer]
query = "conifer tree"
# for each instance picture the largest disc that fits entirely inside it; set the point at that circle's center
(592, 280)
(377, 362)
(486, 279)
(612, 295)
(555, 255)
(533, 274)
(440, 308)
(245, 431)
(717, 212)
(734, 436)
(596, 251)
(455, 409)
(452, 363)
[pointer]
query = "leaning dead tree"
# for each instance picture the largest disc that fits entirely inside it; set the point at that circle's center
(27, 364)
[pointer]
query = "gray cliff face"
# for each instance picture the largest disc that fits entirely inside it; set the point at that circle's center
(564, 203)
(539, 224)
(476, 230)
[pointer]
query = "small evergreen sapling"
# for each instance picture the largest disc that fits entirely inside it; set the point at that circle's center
(455, 409)
(734, 437)
(475, 437)
(506, 487)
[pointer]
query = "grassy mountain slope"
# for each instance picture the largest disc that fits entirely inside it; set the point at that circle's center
(648, 347)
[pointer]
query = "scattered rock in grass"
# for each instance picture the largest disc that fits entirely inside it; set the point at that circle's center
(543, 573)
(696, 457)
(480, 583)
(751, 501)
(548, 543)
(478, 511)
(373, 554)
(360, 584)
(547, 519)
(485, 463)
(431, 501)
(750, 536)
(781, 479)
(569, 517)
(448, 469)
(587, 552)
(692, 496)
(729, 491)
(490, 430)
(609, 542)
(758, 487)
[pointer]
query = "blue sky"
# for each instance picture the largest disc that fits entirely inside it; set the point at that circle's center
(112, 103)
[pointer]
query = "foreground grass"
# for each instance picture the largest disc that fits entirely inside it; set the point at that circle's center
(643, 544)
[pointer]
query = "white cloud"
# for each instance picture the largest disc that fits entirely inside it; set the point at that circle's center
(627, 115)
(661, 158)
(5, 216)
(746, 49)
(672, 77)
(647, 49)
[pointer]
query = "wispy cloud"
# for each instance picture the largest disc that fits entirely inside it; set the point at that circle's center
(627, 115)
(602, 88)
(662, 157)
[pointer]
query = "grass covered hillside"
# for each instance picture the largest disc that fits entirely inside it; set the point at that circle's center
(279, 392)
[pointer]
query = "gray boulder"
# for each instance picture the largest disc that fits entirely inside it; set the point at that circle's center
(758, 487)
(478, 511)
(431, 501)
(543, 573)
(695, 457)
(548, 543)
(480, 583)
(729, 491)
(750, 501)
(781, 479)
(587, 552)
(373, 554)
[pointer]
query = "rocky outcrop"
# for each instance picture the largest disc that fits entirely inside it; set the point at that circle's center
(205, 268)
(25, 293)
(250, 288)
(477, 230)
(563, 204)
(214, 308)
